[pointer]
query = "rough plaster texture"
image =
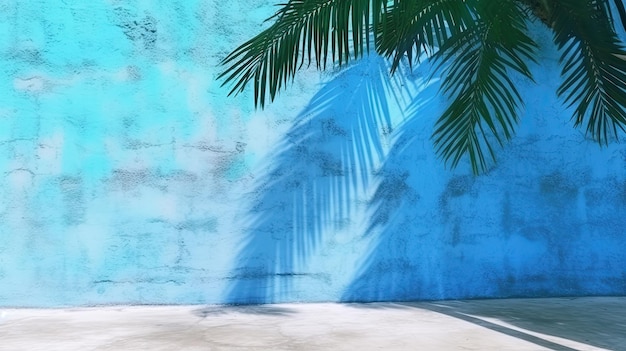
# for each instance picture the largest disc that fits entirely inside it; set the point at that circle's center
(127, 176)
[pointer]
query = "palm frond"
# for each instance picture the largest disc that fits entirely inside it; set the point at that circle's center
(594, 68)
(605, 5)
(484, 98)
(408, 27)
(621, 11)
(303, 31)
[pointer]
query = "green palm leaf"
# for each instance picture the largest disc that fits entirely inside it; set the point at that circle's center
(480, 42)
(484, 99)
(594, 68)
(304, 30)
(410, 26)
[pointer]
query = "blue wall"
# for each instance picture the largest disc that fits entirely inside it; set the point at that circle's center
(128, 176)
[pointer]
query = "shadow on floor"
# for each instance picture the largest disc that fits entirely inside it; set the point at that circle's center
(264, 310)
(598, 322)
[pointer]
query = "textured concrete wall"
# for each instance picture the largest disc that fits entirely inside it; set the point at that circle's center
(127, 176)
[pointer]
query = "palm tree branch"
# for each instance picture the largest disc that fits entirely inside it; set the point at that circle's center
(621, 10)
(484, 99)
(605, 5)
(593, 68)
(412, 26)
(311, 29)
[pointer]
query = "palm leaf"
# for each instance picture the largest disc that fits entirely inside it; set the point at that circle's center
(484, 99)
(605, 5)
(594, 68)
(409, 27)
(303, 31)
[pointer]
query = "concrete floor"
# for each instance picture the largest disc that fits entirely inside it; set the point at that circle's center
(513, 324)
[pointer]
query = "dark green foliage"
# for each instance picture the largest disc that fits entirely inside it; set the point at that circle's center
(476, 43)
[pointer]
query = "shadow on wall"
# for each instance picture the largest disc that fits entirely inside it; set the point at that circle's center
(314, 179)
(401, 263)
(544, 222)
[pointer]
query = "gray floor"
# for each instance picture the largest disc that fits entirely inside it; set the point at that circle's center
(513, 324)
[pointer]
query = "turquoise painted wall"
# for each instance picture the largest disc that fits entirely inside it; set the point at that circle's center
(128, 176)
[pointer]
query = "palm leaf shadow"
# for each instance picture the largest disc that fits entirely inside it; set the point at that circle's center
(401, 261)
(311, 180)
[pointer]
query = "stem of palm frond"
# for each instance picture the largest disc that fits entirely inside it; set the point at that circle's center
(540, 8)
